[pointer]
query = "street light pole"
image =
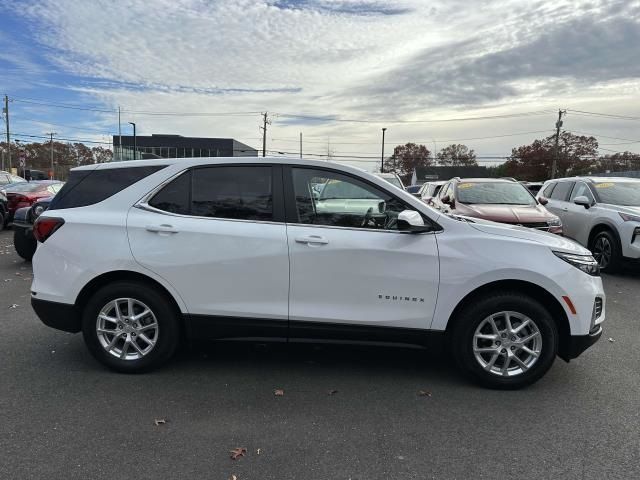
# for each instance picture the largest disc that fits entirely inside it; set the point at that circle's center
(135, 141)
(382, 156)
(51, 173)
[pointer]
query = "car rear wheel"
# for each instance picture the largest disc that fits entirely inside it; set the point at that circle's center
(606, 251)
(130, 327)
(24, 242)
(506, 341)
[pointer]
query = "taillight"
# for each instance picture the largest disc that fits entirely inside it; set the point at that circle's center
(45, 227)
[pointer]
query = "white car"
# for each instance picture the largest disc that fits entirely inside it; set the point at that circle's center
(601, 213)
(138, 254)
(392, 178)
(430, 190)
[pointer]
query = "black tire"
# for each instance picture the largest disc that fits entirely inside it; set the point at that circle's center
(471, 317)
(606, 250)
(166, 316)
(3, 220)
(24, 242)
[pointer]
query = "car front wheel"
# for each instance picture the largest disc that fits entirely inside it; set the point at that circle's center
(606, 251)
(130, 327)
(505, 341)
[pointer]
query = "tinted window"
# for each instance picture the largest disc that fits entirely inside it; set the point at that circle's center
(175, 196)
(86, 187)
(561, 191)
(619, 193)
(494, 193)
(581, 190)
(241, 192)
(334, 199)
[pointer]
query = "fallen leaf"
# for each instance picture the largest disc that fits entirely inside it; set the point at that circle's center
(233, 477)
(160, 421)
(18, 273)
(7, 279)
(14, 305)
(278, 393)
(611, 340)
(238, 452)
(424, 393)
(258, 451)
(332, 392)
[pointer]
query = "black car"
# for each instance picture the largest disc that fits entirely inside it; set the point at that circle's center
(4, 209)
(23, 220)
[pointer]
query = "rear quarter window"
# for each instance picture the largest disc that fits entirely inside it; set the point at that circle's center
(87, 187)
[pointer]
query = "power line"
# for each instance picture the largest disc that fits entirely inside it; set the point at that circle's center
(607, 115)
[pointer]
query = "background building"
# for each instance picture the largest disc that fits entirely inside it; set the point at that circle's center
(177, 146)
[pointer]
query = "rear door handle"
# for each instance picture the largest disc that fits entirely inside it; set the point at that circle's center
(164, 228)
(312, 240)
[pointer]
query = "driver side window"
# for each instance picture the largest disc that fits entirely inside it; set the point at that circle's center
(333, 199)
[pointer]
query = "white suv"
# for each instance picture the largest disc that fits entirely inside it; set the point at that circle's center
(601, 213)
(138, 254)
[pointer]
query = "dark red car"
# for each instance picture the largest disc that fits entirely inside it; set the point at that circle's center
(498, 200)
(24, 194)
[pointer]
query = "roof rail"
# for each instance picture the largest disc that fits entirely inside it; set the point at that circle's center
(508, 178)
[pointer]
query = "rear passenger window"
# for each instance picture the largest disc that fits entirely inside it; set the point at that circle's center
(561, 191)
(239, 192)
(86, 187)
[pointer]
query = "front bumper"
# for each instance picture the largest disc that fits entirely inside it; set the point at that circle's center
(576, 344)
(61, 316)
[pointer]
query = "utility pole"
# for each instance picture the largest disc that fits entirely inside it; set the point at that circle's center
(51, 174)
(6, 113)
(554, 166)
(264, 133)
(119, 136)
(382, 156)
(300, 144)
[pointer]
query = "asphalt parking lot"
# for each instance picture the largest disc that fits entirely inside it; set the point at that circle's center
(346, 412)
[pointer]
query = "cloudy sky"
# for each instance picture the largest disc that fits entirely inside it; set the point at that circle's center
(491, 74)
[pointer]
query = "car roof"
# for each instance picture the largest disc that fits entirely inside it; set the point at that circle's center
(597, 179)
(485, 180)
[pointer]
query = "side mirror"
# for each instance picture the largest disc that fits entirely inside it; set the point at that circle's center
(543, 200)
(582, 200)
(411, 221)
(446, 199)
(382, 207)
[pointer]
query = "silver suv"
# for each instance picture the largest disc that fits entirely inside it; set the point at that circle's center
(601, 213)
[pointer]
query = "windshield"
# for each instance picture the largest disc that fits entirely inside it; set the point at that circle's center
(395, 181)
(619, 193)
(503, 193)
(26, 187)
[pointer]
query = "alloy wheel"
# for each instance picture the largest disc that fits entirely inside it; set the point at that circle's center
(127, 328)
(602, 251)
(507, 343)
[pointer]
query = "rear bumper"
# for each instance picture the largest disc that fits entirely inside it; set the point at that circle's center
(578, 344)
(61, 316)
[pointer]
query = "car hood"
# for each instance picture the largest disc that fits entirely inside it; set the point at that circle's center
(508, 213)
(620, 208)
(551, 240)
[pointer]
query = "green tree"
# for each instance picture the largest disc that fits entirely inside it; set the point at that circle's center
(406, 158)
(457, 155)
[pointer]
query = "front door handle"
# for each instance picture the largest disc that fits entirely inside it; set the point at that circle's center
(312, 240)
(565, 209)
(164, 228)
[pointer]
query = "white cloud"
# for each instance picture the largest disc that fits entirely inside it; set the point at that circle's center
(363, 59)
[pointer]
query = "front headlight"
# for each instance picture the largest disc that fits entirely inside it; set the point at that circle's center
(554, 222)
(629, 218)
(586, 263)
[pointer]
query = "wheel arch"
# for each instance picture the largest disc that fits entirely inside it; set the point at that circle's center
(600, 227)
(547, 299)
(122, 275)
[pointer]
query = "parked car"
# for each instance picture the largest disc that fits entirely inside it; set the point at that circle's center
(7, 179)
(23, 240)
(496, 199)
(413, 189)
(212, 248)
(392, 178)
(27, 193)
(430, 190)
(601, 213)
(4, 209)
(533, 187)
